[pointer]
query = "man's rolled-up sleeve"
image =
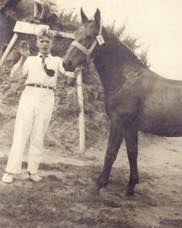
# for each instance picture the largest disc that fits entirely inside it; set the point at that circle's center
(20, 69)
(25, 68)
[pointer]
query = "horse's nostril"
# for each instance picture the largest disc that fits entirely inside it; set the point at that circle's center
(66, 64)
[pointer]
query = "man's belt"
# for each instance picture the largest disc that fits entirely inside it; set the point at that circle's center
(40, 86)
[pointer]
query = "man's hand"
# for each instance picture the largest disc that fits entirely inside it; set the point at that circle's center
(24, 49)
(17, 70)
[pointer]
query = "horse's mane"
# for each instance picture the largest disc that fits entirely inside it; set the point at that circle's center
(126, 54)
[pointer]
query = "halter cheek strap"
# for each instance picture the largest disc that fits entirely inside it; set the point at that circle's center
(88, 51)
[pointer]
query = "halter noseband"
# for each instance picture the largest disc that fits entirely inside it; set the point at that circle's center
(88, 51)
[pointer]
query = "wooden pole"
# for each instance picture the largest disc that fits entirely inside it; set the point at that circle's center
(9, 48)
(81, 115)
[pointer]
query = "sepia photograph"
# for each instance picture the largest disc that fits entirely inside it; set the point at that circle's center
(90, 113)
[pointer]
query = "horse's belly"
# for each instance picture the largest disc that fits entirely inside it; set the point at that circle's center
(163, 119)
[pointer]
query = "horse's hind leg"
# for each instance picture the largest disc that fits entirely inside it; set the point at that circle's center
(114, 142)
(131, 137)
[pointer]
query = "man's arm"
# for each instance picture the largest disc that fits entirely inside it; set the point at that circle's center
(19, 70)
(69, 74)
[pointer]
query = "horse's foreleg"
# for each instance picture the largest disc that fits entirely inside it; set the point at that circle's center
(114, 142)
(131, 137)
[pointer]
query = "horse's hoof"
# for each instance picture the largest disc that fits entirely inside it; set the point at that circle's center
(95, 190)
(101, 183)
(130, 191)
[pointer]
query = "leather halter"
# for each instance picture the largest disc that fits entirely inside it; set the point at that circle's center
(88, 51)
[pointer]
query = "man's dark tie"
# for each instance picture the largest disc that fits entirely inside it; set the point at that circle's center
(49, 72)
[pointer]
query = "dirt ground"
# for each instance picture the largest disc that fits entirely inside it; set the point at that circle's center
(66, 197)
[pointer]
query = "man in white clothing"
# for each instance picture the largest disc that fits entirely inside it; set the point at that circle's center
(35, 106)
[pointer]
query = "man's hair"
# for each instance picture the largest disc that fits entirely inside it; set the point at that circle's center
(44, 32)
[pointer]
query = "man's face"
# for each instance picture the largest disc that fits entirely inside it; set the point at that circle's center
(45, 45)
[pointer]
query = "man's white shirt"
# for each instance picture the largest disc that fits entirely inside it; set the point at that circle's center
(33, 69)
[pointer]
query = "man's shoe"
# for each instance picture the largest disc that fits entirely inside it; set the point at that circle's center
(34, 177)
(7, 178)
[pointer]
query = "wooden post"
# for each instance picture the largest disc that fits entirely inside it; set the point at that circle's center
(81, 115)
(9, 48)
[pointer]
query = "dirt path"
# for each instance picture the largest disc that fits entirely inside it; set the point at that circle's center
(66, 197)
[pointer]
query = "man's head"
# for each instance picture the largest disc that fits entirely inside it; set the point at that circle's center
(45, 41)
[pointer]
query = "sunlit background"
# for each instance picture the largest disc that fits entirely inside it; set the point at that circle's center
(156, 23)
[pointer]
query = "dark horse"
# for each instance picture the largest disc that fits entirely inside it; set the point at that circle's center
(136, 98)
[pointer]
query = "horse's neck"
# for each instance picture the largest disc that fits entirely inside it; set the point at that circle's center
(111, 60)
(108, 63)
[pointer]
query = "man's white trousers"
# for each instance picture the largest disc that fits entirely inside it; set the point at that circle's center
(32, 120)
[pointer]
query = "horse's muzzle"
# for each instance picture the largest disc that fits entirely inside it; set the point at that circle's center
(68, 66)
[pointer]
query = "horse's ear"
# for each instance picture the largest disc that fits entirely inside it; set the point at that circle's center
(83, 17)
(97, 18)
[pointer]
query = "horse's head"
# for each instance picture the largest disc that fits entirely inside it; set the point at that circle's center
(87, 38)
